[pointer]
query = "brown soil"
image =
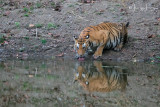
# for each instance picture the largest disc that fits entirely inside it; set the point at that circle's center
(58, 21)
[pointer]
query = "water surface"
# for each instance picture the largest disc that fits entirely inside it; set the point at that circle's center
(70, 83)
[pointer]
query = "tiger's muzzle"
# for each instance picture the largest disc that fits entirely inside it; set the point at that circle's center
(80, 57)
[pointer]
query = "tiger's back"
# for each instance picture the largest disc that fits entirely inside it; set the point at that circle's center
(118, 32)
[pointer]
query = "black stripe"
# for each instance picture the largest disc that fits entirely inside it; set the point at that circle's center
(109, 28)
(116, 29)
(92, 27)
(104, 27)
(109, 25)
(117, 41)
(110, 44)
(114, 38)
(86, 31)
(121, 37)
(99, 26)
(89, 29)
(90, 44)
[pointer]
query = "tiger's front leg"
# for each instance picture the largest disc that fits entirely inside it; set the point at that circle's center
(103, 38)
(98, 65)
(98, 52)
(120, 45)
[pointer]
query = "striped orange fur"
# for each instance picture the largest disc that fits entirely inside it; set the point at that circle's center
(105, 35)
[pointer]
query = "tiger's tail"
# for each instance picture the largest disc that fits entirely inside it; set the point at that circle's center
(125, 32)
(127, 24)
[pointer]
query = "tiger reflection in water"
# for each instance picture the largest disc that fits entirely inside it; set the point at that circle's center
(101, 79)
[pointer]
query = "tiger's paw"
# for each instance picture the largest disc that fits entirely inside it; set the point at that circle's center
(96, 56)
(117, 49)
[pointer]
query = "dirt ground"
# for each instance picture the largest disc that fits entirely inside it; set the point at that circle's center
(44, 28)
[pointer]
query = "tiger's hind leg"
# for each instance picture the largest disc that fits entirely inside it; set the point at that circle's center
(118, 47)
(122, 42)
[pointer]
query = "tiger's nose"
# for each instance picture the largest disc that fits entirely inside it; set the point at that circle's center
(81, 56)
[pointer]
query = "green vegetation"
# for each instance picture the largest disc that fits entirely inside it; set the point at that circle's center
(134, 39)
(51, 25)
(27, 38)
(26, 15)
(158, 57)
(17, 24)
(1, 8)
(21, 49)
(52, 77)
(27, 67)
(38, 101)
(114, 16)
(71, 5)
(39, 25)
(99, 13)
(118, 5)
(17, 76)
(62, 0)
(31, 8)
(1, 85)
(76, 4)
(36, 46)
(112, 9)
(27, 85)
(44, 41)
(53, 4)
(1, 2)
(2, 38)
(25, 9)
(121, 18)
(38, 5)
(43, 66)
(2, 66)
(153, 59)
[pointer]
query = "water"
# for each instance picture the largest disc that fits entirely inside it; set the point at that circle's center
(70, 83)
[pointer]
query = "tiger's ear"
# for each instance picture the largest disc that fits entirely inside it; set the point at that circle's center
(75, 38)
(87, 36)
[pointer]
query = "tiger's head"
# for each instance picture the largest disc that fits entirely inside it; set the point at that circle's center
(81, 46)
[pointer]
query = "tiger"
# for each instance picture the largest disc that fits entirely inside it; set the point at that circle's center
(101, 79)
(94, 39)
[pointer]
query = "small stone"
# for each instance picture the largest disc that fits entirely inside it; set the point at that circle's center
(31, 25)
